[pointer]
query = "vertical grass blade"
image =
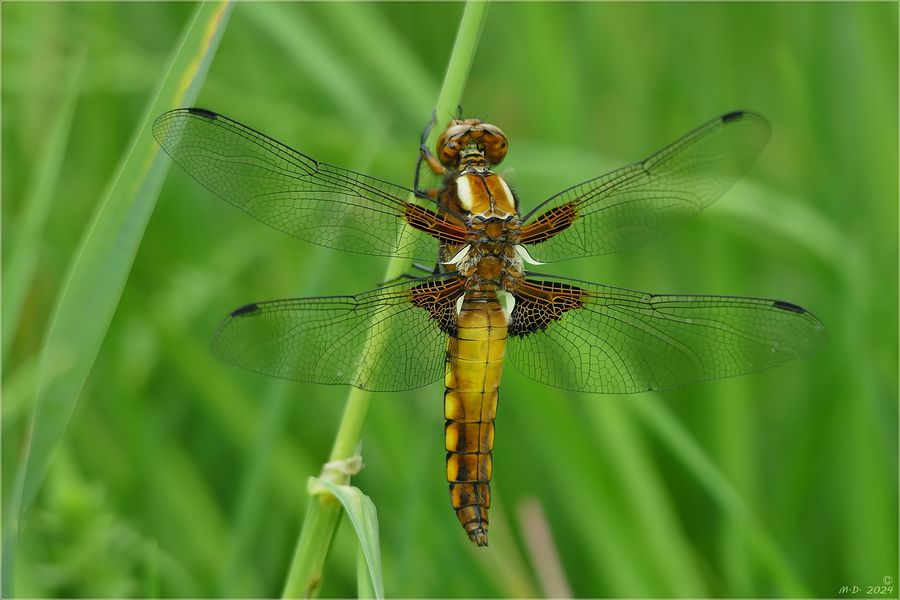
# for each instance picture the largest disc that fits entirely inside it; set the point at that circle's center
(323, 512)
(461, 59)
(100, 267)
(26, 244)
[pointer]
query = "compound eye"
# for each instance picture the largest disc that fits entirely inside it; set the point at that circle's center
(495, 143)
(496, 151)
(448, 145)
(448, 152)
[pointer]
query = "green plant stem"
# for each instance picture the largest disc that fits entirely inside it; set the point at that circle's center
(323, 511)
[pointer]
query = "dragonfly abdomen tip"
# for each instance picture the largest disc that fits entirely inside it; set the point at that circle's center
(479, 537)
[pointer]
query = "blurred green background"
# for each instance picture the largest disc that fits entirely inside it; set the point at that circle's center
(182, 476)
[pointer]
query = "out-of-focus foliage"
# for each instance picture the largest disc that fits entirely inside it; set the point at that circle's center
(183, 476)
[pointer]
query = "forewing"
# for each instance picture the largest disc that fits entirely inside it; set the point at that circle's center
(593, 338)
(643, 201)
(388, 339)
(298, 195)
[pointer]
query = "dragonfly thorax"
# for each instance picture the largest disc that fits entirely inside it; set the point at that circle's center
(482, 195)
(490, 264)
(496, 228)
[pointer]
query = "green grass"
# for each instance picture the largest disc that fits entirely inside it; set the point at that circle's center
(178, 475)
(93, 284)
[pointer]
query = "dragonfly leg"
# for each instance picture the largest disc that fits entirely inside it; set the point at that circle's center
(407, 276)
(428, 127)
(426, 155)
(425, 268)
(431, 193)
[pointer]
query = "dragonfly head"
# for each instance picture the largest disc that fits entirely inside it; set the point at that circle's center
(464, 138)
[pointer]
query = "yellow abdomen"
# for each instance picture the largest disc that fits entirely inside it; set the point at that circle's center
(474, 363)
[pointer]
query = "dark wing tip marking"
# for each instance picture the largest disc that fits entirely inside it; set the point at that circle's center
(203, 113)
(789, 307)
(245, 310)
(733, 116)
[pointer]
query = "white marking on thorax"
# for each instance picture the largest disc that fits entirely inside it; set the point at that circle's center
(507, 303)
(459, 303)
(464, 192)
(526, 256)
(459, 256)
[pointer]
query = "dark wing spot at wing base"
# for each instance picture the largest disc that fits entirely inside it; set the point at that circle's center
(733, 116)
(203, 113)
(245, 310)
(788, 306)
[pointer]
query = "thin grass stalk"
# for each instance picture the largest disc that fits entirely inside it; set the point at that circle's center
(323, 510)
(19, 270)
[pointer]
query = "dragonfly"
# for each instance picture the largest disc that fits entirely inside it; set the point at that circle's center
(451, 322)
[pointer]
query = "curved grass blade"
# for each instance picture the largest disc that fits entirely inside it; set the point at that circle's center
(364, 518)
(100, 268)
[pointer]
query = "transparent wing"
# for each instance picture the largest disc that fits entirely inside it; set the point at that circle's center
(593, 338)
(298, 195)
(643, 201)
(388, 339)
